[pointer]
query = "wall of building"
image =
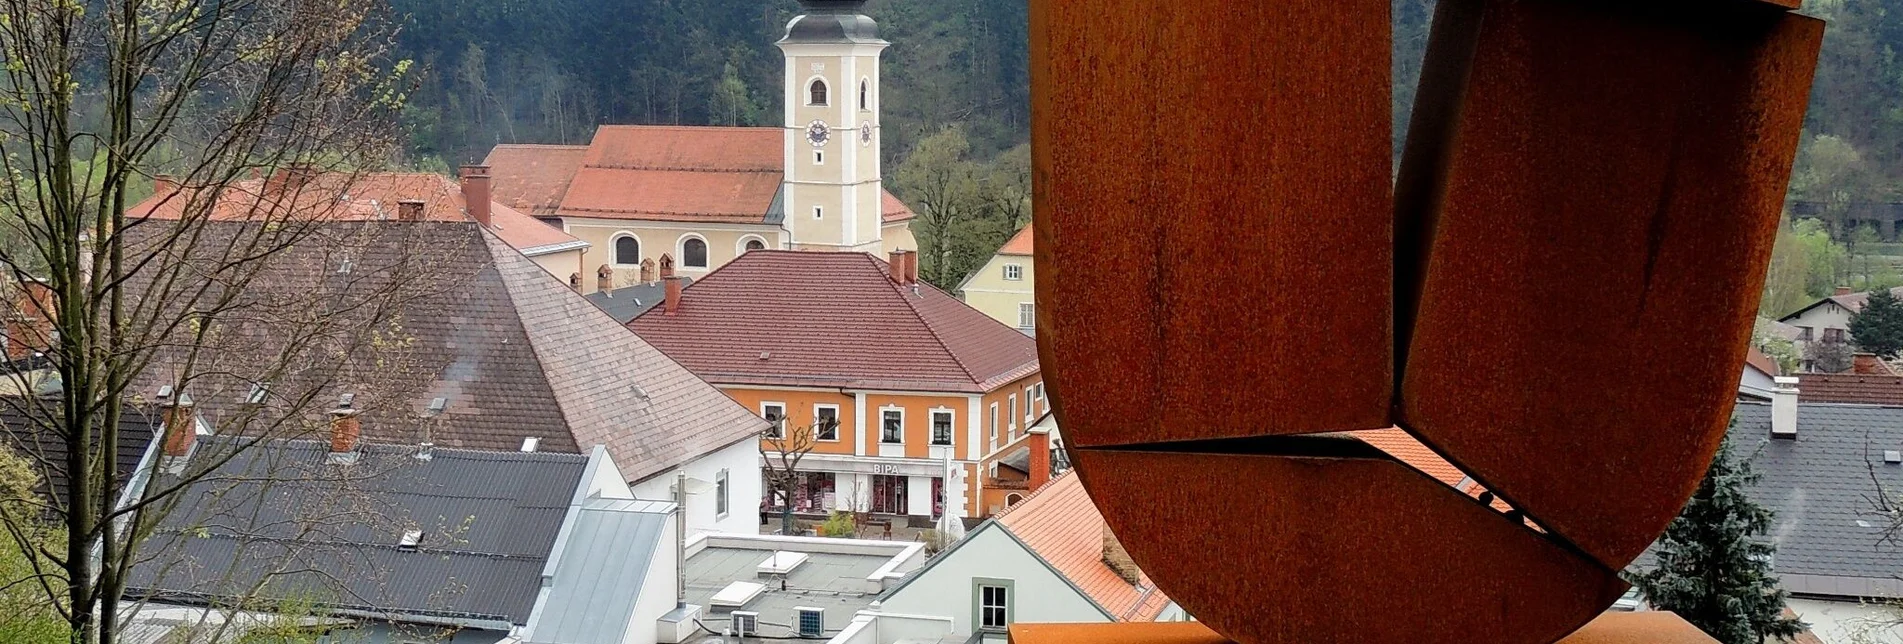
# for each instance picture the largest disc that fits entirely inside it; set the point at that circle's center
(724, 243)
(945, 589)
(741, 462)
(658, 592)
(565, 264)
(800, 405)
(1011, 425)
(1826, 316)
(897, 236)
(988, 291)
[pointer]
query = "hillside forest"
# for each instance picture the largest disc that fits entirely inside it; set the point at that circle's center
(956, 105)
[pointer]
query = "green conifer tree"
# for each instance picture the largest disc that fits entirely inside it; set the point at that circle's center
(1878, 328)
(1712, 568)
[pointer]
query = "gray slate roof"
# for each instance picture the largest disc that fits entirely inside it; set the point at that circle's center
(513, 351)
(599, 578)
(283, 515)
(23, 429)
(1824, 487)
(628, 302)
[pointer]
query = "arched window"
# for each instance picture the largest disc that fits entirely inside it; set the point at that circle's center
(755, 244)
(627, 250)
(1013, 499)
(865, 94)
(816, 92)
(694, 253)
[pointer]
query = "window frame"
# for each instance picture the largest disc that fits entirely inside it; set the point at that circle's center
(885, 415)
(776, 427)
(951, 427)
(722, 489)
(614, 248)
(1012, 427)
(1014, 272)
(1007, 593)
(706, 252)
(994, 425)
(865, 93)
(1027, 308)
(818, 429)
(819, 212)
(824, 94)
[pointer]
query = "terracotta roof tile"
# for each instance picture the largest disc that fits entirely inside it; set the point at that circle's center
(651, 172)
(1061, 525)
(1020, 244)
(533, 178)
(1763, 363)
(796, 318)
(1850, 388)
(370, 196)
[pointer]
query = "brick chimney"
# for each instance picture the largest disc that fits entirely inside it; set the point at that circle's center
(673, 301)
(604, 278)
(895, 261)
(475, 179)
(667, 267)
(647, 271)
(1784, 408)
(1039, 443)
(181, 427)
(911, 267)
(1868, 364)
(345, 430)
(164, 184)
(409, 210)
(288, 180)
(574, 281)
(1117, 558)
(1842, 290)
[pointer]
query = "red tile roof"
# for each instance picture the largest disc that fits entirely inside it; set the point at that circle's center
(1061, 526)
(348, 197)
(1850, 388)
(1020, 244)
(1763, 363)
(533, 178)
(653, 172)
(793, 318)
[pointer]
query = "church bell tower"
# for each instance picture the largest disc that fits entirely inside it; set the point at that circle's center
(832, 194)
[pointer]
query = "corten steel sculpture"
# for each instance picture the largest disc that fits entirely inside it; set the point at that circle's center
(1555, 294)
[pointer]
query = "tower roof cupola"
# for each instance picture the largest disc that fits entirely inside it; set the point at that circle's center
(831, 21)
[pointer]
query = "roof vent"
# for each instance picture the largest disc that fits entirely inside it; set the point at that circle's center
(639, 392)
(528, 444)
(425, 451)
(409, 540)
(344, 266)
(1892, 457)
(345, 400)
(781, 563)
(165, 392)
(437, 405)
(256, 397)
(809, 622)
(766, 355)
(736, 594)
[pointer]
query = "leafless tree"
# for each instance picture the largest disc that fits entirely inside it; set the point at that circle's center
(782, 448)
(97, 100)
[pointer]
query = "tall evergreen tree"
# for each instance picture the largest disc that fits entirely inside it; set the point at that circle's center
(1712, 568)
(1878, 328)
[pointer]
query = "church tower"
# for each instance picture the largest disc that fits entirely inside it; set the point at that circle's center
(832, 194)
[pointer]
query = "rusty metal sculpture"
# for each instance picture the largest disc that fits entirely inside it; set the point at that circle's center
(1555, 294)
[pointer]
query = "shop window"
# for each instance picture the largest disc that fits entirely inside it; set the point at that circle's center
(812, 494)
(888, 494)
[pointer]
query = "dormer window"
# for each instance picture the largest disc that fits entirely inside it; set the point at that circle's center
(816, 92)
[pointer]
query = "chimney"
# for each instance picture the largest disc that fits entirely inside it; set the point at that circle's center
(1842, 290)
(911, 267)
(1040, 444)
(476, 192)
(896, 261)
(647, 271)
(1867, 364)
(164, 184)
(288, 179)
(574, 281)
(667, 267)
(1784, 408)
(673, 301)
(1117, 558)
(345, 430)
(604, 278)
(181, 428)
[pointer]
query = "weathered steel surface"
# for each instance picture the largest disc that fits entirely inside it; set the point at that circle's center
(1322, 539)
(1217, 173)
(1597, 186)
(1610, 628)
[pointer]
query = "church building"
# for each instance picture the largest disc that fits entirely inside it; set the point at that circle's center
(706, 195)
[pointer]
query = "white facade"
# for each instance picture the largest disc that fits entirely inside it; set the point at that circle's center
(833, 195)
(1835, 622)
(739, 466)
(991, 556)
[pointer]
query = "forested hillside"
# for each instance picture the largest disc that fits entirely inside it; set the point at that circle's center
(548, 71)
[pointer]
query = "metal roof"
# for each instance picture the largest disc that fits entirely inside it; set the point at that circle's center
(1823, 485)
(603, 564)
(628, 302)
(282, 516)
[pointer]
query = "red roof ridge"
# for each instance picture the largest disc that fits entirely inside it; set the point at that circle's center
(663, 168)
(543, 146)
(1048, 486)
(689, 128)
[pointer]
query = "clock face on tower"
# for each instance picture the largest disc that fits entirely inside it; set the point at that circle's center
(865, 133)
(818, 133)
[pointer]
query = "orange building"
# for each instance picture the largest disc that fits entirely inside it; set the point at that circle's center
(916, 382)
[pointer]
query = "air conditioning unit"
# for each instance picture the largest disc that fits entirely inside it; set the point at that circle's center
(746, 623)
(810, 622)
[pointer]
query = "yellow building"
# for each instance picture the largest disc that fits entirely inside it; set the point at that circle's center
(706, 195)
(1004, 288)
